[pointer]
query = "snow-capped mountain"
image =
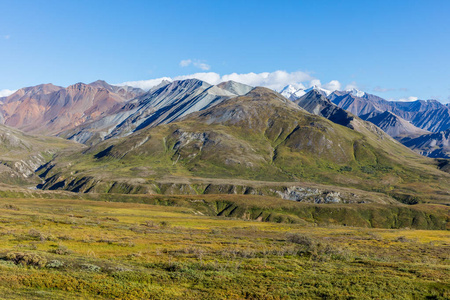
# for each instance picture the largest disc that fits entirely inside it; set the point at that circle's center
(356, 92)
(288, 91)
(291, 93)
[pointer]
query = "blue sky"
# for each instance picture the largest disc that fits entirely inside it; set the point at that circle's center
(395, 49)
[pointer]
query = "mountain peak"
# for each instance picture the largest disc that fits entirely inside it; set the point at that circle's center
(235, 87)
(190, 81)
(292, 93)
(355, 92)
(288, 89)
(319, 89)
(78, 86)
(100, 84)
(41, 88)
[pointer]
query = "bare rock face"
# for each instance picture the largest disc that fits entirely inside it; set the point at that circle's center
(313, 195)
(436, 145)
(49, 109)
(394, 125)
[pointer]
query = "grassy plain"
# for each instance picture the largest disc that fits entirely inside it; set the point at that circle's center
(79, 249)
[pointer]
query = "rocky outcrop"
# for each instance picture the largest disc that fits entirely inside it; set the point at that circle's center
(312, 195)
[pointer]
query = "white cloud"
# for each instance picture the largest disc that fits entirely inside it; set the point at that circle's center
(273, 80)
(185, 62)
(333, 85)
(196, 63)
(6, 93)
(352, 85)
(409, 99)
(315, 82)
(202, 66)
(7, 37)
(210, 77)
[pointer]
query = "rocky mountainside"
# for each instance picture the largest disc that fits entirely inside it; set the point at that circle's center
(260, 136)
(317, 104)
(432, 145)
(49, 109)
(163, 104)
(393, 125)
(429, 115)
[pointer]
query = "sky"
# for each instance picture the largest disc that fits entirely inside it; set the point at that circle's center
(395, 49)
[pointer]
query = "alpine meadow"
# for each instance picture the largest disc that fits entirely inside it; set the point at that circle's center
(229, 150)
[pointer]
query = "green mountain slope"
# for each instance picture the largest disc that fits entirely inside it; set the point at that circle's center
(21, 154)
(258, 137)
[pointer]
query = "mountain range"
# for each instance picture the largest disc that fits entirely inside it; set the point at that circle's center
(163, 104)
(189, 136)
(404, 121)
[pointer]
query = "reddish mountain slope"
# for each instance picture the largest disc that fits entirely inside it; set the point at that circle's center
(50, 109)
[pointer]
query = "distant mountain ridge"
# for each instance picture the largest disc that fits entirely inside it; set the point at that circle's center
(50, 109)
(394, 125)
(316, 103)
(90, 113)
(429, 115)
(405, 121)
(436, 145)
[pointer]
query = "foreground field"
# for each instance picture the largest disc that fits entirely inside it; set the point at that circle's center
(78, 249)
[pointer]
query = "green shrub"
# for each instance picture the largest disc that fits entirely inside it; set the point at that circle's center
(54, 264)
(26, 259)
(299, 239)
(345, 169)
(41, 236)
(90, 267)
(61, 250)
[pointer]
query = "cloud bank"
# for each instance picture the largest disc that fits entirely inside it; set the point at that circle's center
(6, 93)
(274, 80)
(409, 99)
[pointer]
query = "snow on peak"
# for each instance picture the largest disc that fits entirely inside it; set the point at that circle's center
(291, 92)
(319, 89)
(289, 88)
(356, 92)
